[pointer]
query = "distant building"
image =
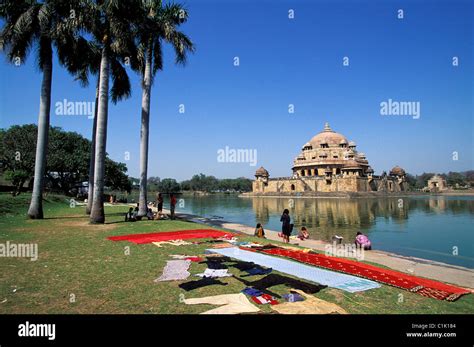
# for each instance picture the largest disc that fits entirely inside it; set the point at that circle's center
(437, 184)
(330, 163)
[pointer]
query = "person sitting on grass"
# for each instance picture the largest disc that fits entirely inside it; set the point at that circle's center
(259, 232)
(303, 234)
(149, 214)
(362, 241)
(135, 212)
(130, 216)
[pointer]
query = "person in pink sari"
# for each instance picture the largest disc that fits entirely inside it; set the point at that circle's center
(363, 241)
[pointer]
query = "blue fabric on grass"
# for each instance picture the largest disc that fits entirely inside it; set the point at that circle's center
(258, 271)
(252, 291)
(293, 297)
(329, 278)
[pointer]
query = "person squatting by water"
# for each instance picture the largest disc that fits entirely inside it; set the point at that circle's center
(303, 234)
(362, 241)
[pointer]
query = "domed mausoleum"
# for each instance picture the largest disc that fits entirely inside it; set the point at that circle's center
(329, 162)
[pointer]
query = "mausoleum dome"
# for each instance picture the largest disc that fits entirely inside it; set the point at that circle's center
(329, 137)
(397, 171)
(262, 172)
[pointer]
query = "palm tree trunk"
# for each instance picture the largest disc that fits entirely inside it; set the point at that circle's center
(36, 206)
(144, 134)
(97, 211)
(90, 189)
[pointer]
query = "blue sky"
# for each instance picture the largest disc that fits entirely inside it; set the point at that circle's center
(289, 61)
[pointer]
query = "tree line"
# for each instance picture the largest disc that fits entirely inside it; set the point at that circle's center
(100, 38)
(200, 183)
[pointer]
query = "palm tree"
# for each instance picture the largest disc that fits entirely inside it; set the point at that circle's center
(157, 23)
(109, 22)
(85, 64)
(42, 24)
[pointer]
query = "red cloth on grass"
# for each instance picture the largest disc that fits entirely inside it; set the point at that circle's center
(265, 299)
(422, 286)
(171, 235)
(194, 259)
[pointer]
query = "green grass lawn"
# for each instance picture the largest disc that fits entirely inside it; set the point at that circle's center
(76, 260)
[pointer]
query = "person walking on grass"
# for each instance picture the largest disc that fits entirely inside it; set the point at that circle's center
(172, 205)
(286, 226)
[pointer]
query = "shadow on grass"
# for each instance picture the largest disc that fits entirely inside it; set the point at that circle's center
(67, 217)
(116, 222)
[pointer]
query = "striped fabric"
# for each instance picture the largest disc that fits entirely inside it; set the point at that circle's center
(332, 279)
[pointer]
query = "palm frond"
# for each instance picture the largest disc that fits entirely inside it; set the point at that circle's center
(121, 88)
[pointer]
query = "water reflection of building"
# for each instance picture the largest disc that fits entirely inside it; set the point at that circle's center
(437, 204)
(330, 163)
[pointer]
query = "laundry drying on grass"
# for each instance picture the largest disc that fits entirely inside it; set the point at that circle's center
(213, 273)
(333, 279)
(293, 297)
(223, 245)
(263, 284)
(311, 305)
(173, 235)
(265, 299)
(304, 271)
(258, 270)
(175, 270)
(229, 304)
(422, 286)
(194, 259)
(172, 243)
(252, 291)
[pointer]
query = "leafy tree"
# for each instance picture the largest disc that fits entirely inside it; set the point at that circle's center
(153, 183)
(412, 181)
(17, 154)
(18, 179)
(116, 177)
(205, 183)
(456, 178)
(68, 159)
(42, 25)
(169, 185)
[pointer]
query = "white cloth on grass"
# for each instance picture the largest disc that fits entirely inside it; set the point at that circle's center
(175, 270)
(213, 273)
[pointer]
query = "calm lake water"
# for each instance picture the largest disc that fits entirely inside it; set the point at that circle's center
(430, 227)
